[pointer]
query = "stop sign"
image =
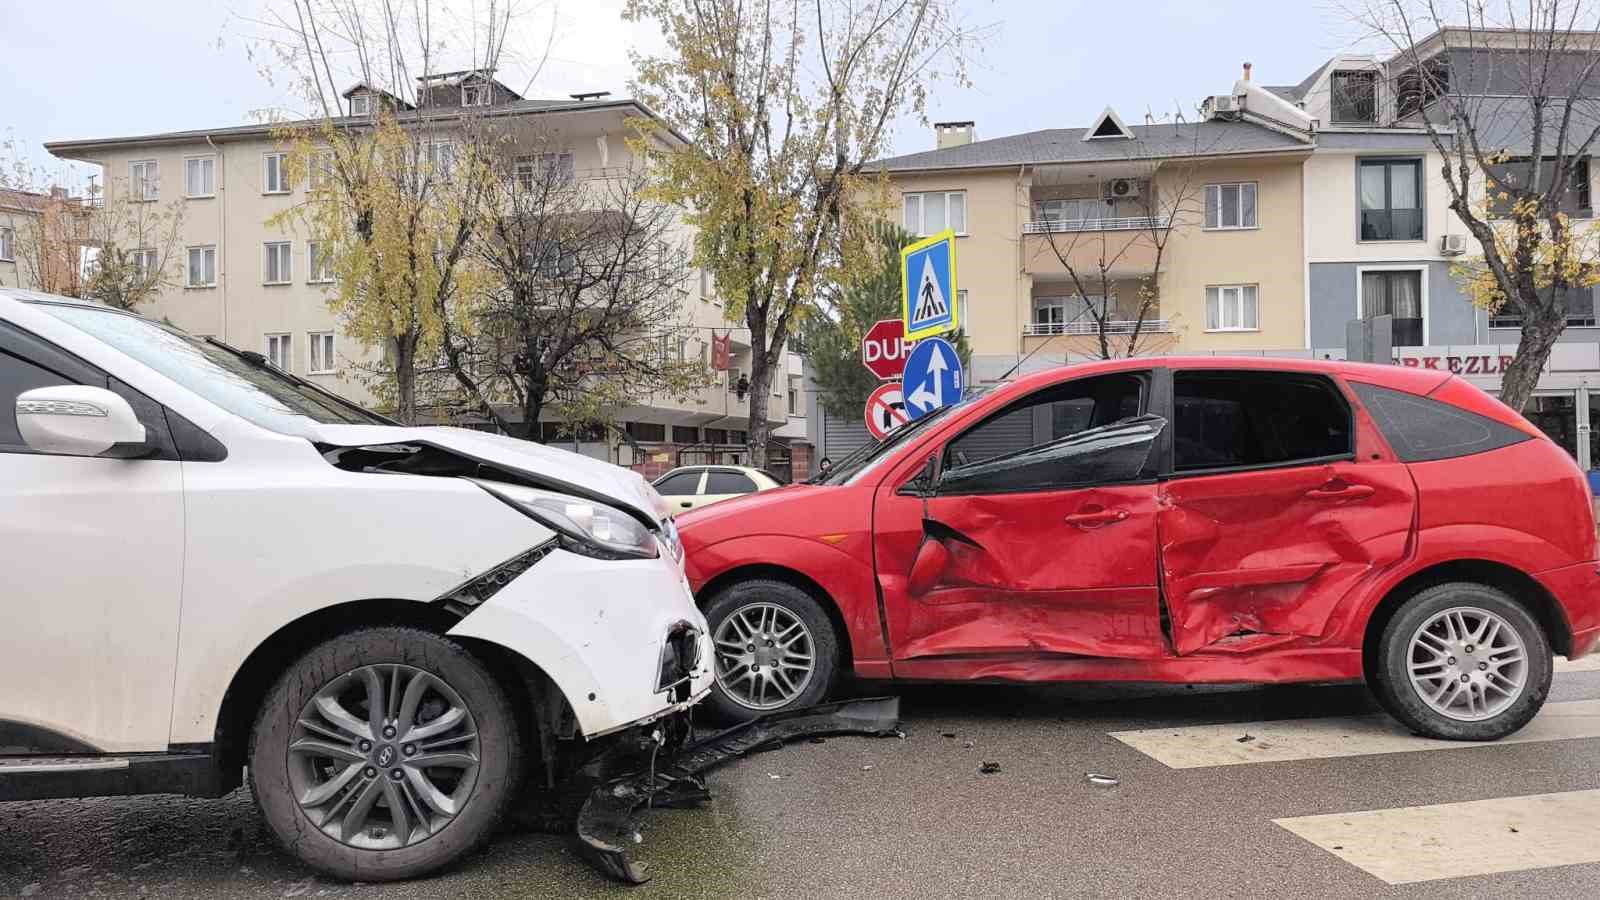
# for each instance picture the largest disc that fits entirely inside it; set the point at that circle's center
(884, 348)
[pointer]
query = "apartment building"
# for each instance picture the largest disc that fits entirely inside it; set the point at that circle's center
(266, 288)
(1060, 230)
(1382, 239)
(39, 237)
(1264, 227)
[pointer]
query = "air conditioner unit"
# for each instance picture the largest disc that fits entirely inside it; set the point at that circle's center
(1119, 188)
(1453, 245)
(1223, 103)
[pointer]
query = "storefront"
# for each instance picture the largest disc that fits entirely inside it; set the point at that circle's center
(1567, 399)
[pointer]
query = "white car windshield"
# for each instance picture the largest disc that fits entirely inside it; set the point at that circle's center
(239, 382)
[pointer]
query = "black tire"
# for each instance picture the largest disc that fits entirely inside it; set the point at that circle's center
(481, 810)
(1391, 680)
(802, 606)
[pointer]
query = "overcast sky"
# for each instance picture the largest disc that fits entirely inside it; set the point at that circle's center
(99, 68)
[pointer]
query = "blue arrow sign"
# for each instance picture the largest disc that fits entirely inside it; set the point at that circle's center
(932, 378)
(928, 286)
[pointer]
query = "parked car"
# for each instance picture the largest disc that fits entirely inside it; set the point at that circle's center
(691, 487)
(214, 566)
(1177, 520)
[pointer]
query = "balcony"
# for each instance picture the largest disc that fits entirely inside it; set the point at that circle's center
(1091, 328)
(1122, 223)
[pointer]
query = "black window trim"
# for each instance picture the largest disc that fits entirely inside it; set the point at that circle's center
(1169, 471)
(187, 442)
(1149, 394)
(1422, 198)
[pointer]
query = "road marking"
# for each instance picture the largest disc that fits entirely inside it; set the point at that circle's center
(1590, 663)
(1451, 840)
(1198, 746)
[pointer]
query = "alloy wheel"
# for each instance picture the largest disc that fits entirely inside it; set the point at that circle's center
(765, 655)
(383, 757)
(1467, 663)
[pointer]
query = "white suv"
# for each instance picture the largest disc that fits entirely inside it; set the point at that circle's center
(211, 565)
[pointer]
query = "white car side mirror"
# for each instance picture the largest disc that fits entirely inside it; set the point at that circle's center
(77, 420)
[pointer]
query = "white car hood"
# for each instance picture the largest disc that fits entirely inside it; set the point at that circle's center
(554, 467)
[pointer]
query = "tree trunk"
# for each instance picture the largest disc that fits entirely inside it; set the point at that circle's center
(760, 393)
(405, 378)
(1539, 333)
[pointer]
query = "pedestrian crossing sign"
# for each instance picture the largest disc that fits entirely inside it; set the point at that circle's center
(928, 286)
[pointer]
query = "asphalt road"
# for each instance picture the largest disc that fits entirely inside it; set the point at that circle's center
(914, 817)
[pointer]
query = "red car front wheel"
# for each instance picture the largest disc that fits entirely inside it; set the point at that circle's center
(775, 649)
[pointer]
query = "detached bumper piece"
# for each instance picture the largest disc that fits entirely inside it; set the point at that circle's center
(605, 827)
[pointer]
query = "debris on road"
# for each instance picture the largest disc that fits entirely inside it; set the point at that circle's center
(1102, 780)
(1246, 739)
(989, 768)
(605, 828)
(948, 734)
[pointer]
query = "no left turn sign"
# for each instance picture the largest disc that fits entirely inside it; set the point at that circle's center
(886, 410)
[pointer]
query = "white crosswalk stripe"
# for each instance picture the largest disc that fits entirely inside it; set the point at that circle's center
(1198, 746)
(1452, 840)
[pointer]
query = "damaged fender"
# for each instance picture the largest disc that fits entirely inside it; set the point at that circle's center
(598, 628)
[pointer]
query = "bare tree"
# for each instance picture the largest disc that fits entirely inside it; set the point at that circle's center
(1510, 98)
(1104, 242)
(582, 312)
(398, 192)
(119, 249)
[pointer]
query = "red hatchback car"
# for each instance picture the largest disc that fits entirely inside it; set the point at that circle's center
(1177, 520)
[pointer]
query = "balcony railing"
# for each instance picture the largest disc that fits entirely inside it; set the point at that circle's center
(1090, 327)
(1125, 223)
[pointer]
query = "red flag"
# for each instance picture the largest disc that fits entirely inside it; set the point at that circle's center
(722, 352)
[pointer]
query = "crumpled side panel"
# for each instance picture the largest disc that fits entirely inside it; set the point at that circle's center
(1277, 551)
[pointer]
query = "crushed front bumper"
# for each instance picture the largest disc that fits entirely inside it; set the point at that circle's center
(664, 768)
(621, 639)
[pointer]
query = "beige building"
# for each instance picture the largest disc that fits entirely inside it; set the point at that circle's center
(263, 288)
(1168, 236)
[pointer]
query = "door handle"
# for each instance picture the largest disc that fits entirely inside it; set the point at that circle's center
(1341, 490)
(686, 504)
(1095, 517)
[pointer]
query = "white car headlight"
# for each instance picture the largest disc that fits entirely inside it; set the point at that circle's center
(584, 526)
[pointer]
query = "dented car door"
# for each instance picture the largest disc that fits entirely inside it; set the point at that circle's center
(1271, 516)
(1038, 537)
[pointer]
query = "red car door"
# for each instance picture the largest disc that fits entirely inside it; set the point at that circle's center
(1281, 500)
(1037, 539)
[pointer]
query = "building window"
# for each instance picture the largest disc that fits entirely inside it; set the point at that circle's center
(1391, 199)
(1355, 97)
(8, 240)
(202, 267)
(1518, 173)
(1580, 314)
(1396, 293)
(545, 169)
(1416, 91)
(278, 350)
(318, 269)
(653, 432)
(321, 353)
(321, 169)
(934, 211)
(144, 180)
(1231, 206)
(474, 95)
(685, 434)
(360, 104)
(716, 436)
(145, 263)
(1049, 311)
(795, 395)
(442, 157)
(1232, 307)
(276, 180)
(277, 268)
(1085, 210)
(961, 310)
(199, 176)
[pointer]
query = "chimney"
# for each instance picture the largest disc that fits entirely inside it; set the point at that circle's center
(953, 134)
(1246, 71)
